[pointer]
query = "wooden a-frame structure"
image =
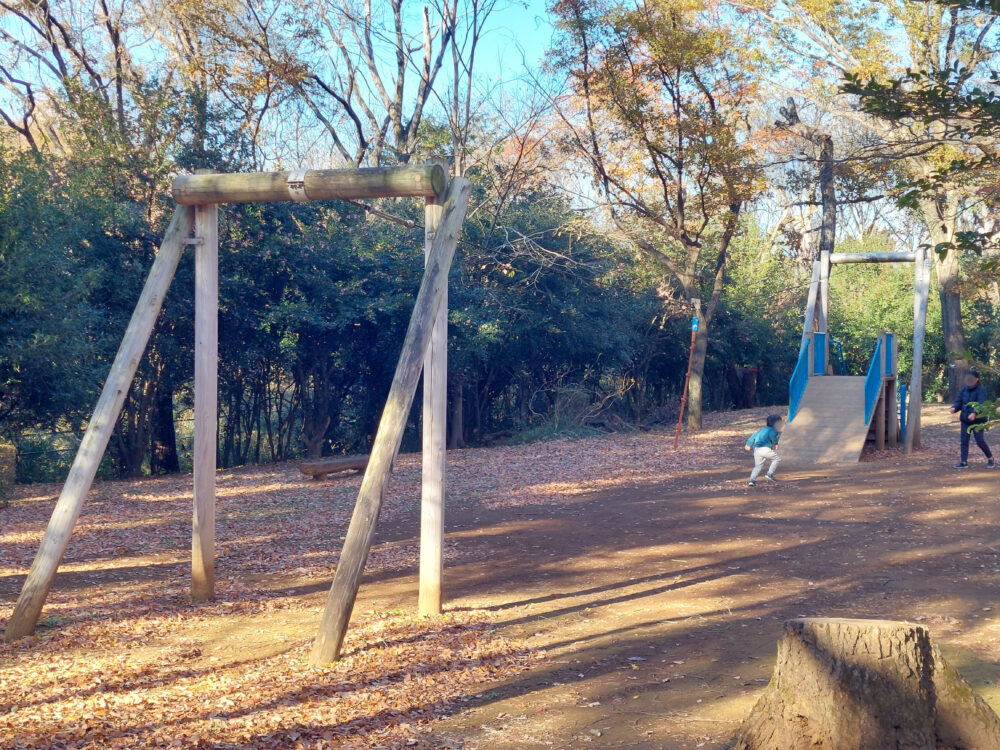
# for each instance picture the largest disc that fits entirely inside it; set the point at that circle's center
(818, 307)
(195, 222)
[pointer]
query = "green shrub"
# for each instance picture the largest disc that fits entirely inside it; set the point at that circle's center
(8, 471)
(47, 458)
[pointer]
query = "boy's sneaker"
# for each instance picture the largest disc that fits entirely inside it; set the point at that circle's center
(961, 465)
(771, 477)
(990, 463)
(751, 483)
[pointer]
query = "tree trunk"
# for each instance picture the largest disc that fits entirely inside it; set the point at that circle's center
(314, 433)
(869, 684)
(456, 427)
(163, 456)
(749, 387)
(697, 374)
(951, 321)
(735, 386)
(940, 220)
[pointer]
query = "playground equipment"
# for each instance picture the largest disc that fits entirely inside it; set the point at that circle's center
(424, 348)
(831, 416)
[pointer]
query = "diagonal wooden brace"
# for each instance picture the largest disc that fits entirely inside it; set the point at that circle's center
(361, 531)
(102, 423)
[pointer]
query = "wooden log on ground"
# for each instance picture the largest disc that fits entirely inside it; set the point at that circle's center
(318, 468)
(361, 531)
(102, 423)
(424, 181)
(869, 684)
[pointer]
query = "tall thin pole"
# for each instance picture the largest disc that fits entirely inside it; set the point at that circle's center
(206, 369)
(921, 288)
(687, 376)
(435, 415)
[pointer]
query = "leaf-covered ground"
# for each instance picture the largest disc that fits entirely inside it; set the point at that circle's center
(121, 659)
(610, 549)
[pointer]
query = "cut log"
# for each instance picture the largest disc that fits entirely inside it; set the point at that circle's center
(320, 467)
(894, 257)
(427, 181)
(865, 684)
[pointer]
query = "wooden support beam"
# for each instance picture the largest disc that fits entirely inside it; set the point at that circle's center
(206, 373)
(427, 181)
(880, 410)
(102, 423)
(824, 290)
(434, 456)
(361, 531)
(921, 289)
(808, 325)
(891, 414)
(900, 257)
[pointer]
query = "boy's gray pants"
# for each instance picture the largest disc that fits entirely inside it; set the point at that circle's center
(760, 455)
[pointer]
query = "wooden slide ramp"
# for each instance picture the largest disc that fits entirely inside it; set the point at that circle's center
(829, 426)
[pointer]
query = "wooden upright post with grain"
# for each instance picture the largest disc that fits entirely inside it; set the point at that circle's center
(921, 275)
(206, 374)
(361, 532)
(434, 454)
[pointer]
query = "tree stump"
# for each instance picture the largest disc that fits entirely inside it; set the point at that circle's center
(865, 684)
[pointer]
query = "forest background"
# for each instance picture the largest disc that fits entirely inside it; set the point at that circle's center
(626, 157)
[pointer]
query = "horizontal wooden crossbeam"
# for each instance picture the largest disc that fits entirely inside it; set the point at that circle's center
(897, 257)
(425, 181)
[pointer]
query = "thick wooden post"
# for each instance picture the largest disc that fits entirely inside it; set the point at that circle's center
(921, 288)
(102, 423)
(206, 368)
(435, 416)
(361, 532)
(824, 299)
(891, 415)
(880, 410)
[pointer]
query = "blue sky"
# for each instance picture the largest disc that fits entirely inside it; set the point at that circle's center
(519, 34)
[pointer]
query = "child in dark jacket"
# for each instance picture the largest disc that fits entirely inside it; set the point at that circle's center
(973, 393)
(762, 443)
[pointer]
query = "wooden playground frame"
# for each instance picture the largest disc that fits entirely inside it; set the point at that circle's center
(424, 349)
(818, 307)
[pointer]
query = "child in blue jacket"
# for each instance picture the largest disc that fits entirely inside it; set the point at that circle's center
(972, 393)
(763, 444)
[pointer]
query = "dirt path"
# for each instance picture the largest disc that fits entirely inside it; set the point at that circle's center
(659, 607)
(626, 596)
